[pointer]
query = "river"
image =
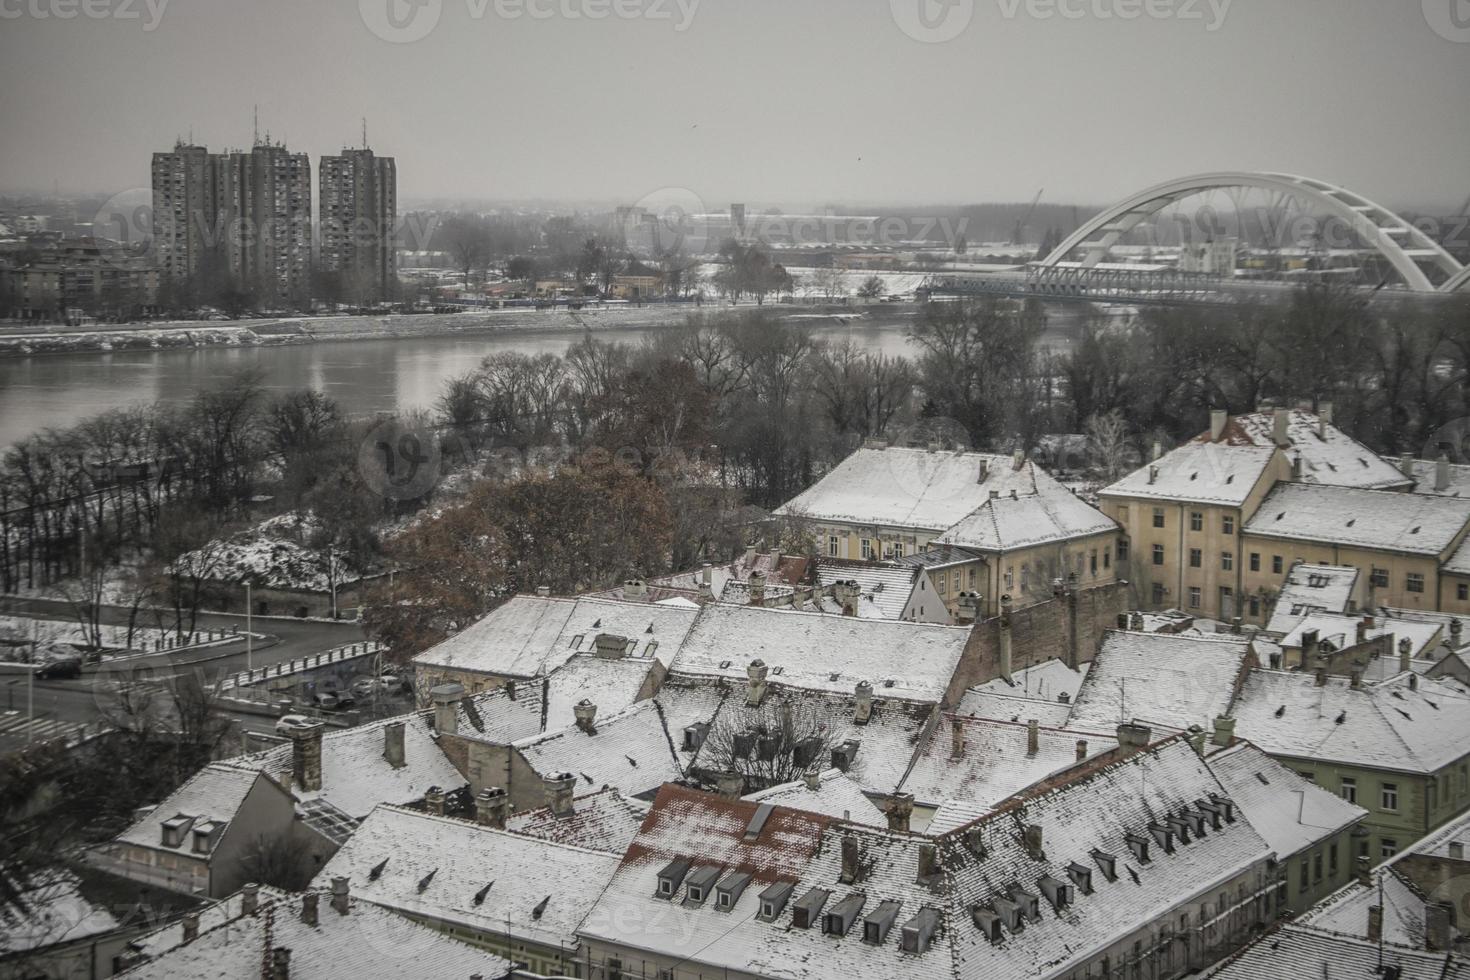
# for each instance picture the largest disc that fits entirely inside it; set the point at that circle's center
(364, 376)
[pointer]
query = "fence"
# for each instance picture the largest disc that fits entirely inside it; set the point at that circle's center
(286, 668)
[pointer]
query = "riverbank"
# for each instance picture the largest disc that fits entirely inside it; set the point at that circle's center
(187, 335)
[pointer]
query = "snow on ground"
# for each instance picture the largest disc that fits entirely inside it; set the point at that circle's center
(274, 554)
(61, 638)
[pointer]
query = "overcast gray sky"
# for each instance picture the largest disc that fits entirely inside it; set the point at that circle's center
(776, 101)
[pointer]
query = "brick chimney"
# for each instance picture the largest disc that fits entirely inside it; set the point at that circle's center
(249, 898)
(309, 908)
(729, 784)
(559, 787)
(490, 807)
(1082, 750)
(1279, 419)
(706, 582)
(1018, 459)
(1442, 472)
(1406, 654)
(900, 809)
(1005, 637)
(393, 744)
(635, 588)
(446, 698)
(306, 756)
(1224, 731)
(847, 593)
(1438, 933)
(1033, 840)
(863, 710)
(1324, 418)
(610, 646)
(755, 686)
(1133, 737)
(757, 588)
(434, 801)
(191, 926)
(280, 963)
(1033, 736)
(956, 739)
(586, 713)
(341, 898)
(1456, 628)
(851, 867)
(1218, 418)
(1363, 870)
(1375, 923)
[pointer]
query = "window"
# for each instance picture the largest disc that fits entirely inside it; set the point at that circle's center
(1462, 591)
(1158, 517)
(1122, 549)
(1348, 790)
(1227, 560)
(1092, 562)
(1107, 558)
(1196, 558)
(1276, 564)
(972, 576)
(1227, 524)
(941, 582)
(1332, 859)
(1158, 554)
(831, 546)
(1317, 867)
(1388, 847)
(1390, 798)
(897, 550)
(1379, 578)
(1196, 521)
(1414, 582)
(867, 548)
(1194, 597)
(1255, 604)
(1255, 561)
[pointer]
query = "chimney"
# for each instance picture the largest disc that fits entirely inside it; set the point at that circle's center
(191, 927)
(610, 646)
(1005, 637)
(956, 739)
(1082, 750)
(813, 779)
(1224, 731)
(847, 593)
(1362, 631)
(850, 868)
(306, 756)
(1158, 451)
(928, 863)
(984, 469)
(393, 744)
(1153, 473)
(434, 801)
(280, 963)
(249, 899)
(340, 896)
(1309, 648)
(1133, 737)
(1438, 935)
(1296, 468)
(1321, 677)
(900, 809)
(864, 709)
(1413, 681)
(1364, 871)
(798, 598)
(1279, 419)
(1455, 629)
(1442, 473)
(446, 698)
(729, 784)
(586, 713)
(1033, 840)
(309, 908)
(1375, 923)
(1018, 459)
(750, 554)
(543, 591)
(635, 588)
(559, 787)
(706, 582)
(1406, 650)
(757, 588)
(1406, 464)
(490, 807)
(1033, 736)
(755, 686)
(967, 610)
(1324, 418)
(1456, 851)
(1218, 418)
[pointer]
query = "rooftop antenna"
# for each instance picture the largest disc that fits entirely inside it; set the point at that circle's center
(364, 133)
(255, 132)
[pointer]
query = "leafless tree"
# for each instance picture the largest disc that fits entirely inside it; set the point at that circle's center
(776, 742)
(282, 861)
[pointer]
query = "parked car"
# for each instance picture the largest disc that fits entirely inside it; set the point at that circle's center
(64, 668)
(393, 684)
(288, 723)
(333, 700)
(365, 687)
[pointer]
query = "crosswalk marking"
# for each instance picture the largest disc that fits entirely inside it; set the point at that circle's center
(17, 725)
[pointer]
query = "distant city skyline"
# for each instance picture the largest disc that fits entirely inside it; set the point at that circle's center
(846, 102)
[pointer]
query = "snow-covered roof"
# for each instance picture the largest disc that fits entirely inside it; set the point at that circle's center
(1330, 588)
(1166, 679)
(1329, 455)
(1205, 472)
(51, 909)
(913, 488)
(368, 941)
(1345, 911)
(1388, 725)
(529, 636)
(604, 820)
(885, 586)
(212, 795)
(1436, 844)
(463, 858)
(824, 653)
(1291, 813)
(995, 762)
(1011, 523)
(628, 750)
(1458, 562)
(612, 685)
(355, 774)
(1298, 951)
(1032, 692)
(1342, 631)
(836, 795)
(1382, 520)
(160, 941)
(1425, 473)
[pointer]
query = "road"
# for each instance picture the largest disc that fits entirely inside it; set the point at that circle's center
(62, 706)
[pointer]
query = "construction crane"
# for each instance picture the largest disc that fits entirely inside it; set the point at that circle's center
(1018, 233)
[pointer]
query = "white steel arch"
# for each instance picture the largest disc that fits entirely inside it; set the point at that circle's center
(1406, 248)
(1458, 283)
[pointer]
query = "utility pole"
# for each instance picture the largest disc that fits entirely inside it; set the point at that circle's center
(31, 681)
(249, 637)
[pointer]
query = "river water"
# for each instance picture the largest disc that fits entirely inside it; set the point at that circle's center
(364, 376)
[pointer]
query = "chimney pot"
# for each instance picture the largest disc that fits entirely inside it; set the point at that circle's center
(249, 898)
(1218, 418)
(340, 895)
(191, 927)
(559, 787)
(393, 744)
(446, 698)
(306, 756)
(1081, 749)
(1033, 736)
(309, 908)
(586, 713)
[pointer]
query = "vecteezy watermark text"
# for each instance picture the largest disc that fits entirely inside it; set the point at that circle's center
(148, 11)
(936, 21)
(404, 21)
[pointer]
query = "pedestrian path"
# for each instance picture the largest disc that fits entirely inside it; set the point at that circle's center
(15, 728)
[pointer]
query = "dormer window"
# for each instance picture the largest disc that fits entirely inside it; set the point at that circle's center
(1010, 914)
(1027, 902)
(699, 884)
(988, 922)
(1162, 836)
(773, 900)
(843, 914)
(1227, 808)
(1212, 812)
(877, 925)
(727, 892)
(1107, 864)
(1081, 876)
(694, 736)
(1138, 844)
(206, 835)
(1195, 821)
(671, 877)
(918, 932)
(1180, 828)
(175, 828)
(1057, 892)
(809, 908)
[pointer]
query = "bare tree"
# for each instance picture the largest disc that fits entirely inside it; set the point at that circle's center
(283, 861)
(776, 742)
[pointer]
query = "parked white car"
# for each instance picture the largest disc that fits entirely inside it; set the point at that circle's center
(286, 724)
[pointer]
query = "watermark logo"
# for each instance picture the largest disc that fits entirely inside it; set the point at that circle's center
(1450, 19)
(399, 460)
(148, 12)
(667, 221)
(400, 21)
(1452, 440)
(932, 21)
